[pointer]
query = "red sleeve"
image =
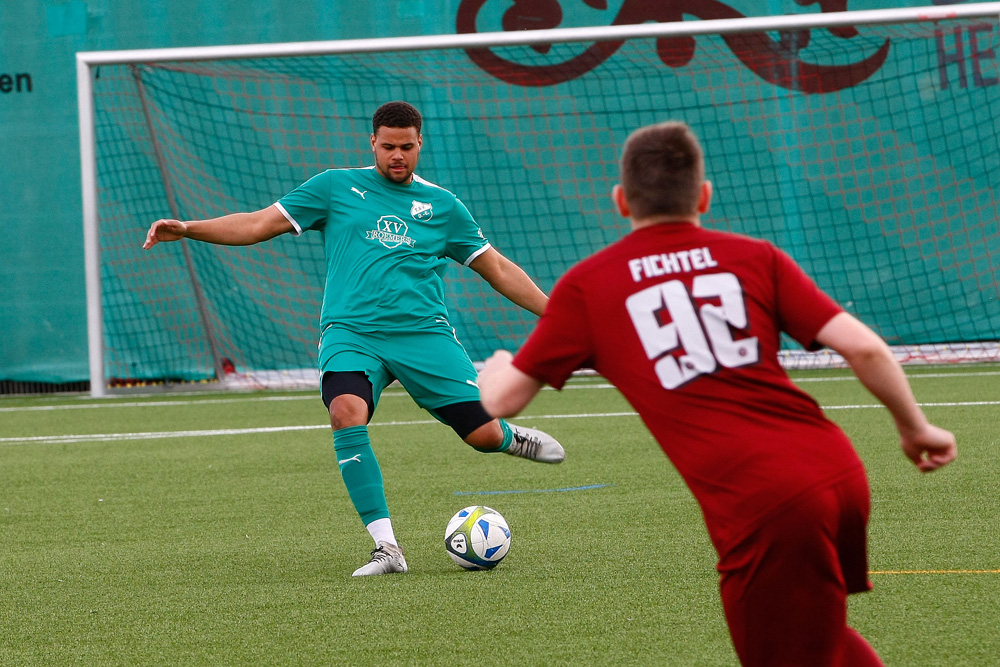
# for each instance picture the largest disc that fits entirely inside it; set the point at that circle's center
(803, 308)
(561, 342)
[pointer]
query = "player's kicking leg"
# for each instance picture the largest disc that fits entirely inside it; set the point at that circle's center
(438, 374)
(471, 422)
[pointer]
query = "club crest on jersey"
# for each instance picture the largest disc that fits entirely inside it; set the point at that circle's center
(421, 210)
(390, 231)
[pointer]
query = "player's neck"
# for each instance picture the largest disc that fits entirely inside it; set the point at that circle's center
(664, 220)
(388, 178)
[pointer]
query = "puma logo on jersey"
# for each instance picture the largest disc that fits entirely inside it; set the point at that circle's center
(343, 462)
(360, 193)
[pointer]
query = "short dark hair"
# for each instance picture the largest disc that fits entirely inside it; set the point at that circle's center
(396, 114)
(661, 171)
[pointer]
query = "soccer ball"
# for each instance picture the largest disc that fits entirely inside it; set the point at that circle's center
(477, 538)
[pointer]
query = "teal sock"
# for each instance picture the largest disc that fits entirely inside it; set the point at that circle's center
(361, 473)
(508, 437)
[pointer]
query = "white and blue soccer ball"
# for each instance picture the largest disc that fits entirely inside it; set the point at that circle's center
(477, 538)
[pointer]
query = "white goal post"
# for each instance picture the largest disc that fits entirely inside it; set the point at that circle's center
(791, 130)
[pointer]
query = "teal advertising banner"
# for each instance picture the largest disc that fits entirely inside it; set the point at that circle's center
(42, 299)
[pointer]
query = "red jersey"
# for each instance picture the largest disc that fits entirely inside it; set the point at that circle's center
(686, 323)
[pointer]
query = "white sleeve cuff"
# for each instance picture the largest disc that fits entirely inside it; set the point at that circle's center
(473, 256)
(297, 229)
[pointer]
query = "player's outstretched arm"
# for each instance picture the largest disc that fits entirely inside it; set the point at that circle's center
(504, 389)
(233, 229)
(928, 446)
(510, 280)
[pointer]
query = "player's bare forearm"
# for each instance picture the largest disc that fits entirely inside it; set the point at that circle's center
(928, 446)
(520, 289)
(234, 229)
(510, 280)
(504, 389)
(872, 361)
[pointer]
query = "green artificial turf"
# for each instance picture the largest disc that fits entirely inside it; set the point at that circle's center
(215, 530)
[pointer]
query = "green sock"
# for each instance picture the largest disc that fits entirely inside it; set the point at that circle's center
(361, 473)
(508, 437)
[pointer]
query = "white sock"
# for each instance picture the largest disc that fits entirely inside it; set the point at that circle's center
(381, 531)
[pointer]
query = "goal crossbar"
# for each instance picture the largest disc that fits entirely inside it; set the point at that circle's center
(547, 36)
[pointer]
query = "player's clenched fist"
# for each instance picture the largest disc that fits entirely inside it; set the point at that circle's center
(164, 230)
(931, 448)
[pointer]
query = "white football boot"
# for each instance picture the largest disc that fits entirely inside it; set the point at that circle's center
(530, 443)
(386, 559)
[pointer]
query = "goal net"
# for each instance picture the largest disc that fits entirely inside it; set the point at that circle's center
(862, 143)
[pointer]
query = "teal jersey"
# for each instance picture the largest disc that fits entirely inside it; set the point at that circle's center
(386, 244)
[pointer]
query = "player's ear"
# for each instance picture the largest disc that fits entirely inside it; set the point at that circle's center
(373, 143)
(705, 197)
(618, 195)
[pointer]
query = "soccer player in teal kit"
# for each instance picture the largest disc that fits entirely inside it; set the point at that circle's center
(385, 232)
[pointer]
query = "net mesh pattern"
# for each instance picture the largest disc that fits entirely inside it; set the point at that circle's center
(868, 154)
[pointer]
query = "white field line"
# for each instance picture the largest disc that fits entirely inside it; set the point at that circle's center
(156, 435)
(909, 376)
(151, 435)
(104, 404)
(160, 404)
(933, 571)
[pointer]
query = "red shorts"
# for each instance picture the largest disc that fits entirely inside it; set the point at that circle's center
(785, 586)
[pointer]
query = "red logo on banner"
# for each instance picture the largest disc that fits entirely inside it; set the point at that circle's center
(776, 61)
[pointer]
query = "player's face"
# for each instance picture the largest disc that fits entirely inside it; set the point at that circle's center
(396, 152)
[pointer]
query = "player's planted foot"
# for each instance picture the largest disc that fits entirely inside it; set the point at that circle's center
(530, 443)
(386, 559)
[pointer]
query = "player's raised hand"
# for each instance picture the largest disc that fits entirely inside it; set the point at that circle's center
(931, 448)
(164, 230)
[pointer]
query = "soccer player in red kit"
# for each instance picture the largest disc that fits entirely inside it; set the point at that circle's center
(685, 322)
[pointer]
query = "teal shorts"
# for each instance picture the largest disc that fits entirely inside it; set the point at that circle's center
(430, 364)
